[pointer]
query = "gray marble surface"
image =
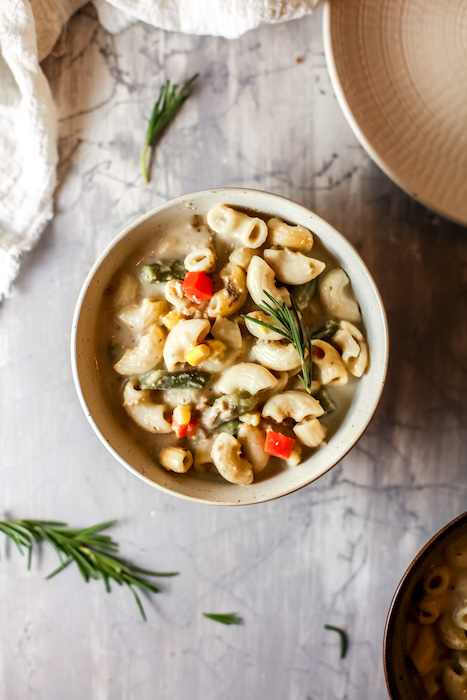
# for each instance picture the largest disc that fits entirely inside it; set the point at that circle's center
(264, 116)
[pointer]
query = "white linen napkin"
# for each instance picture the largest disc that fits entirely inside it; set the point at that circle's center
(28, 118)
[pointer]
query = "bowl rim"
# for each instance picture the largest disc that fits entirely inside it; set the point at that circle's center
(403, 584)
(88, 280)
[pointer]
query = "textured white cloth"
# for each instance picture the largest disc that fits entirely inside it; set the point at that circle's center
(28, 119)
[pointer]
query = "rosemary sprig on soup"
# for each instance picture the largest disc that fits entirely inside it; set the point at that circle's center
(238, 346)
(288, 324)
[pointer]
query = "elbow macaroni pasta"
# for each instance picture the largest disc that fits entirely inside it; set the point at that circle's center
(141, 316)
(251, 231)
(145, 355)
(242, 257)
(199, 378)
(310, 432)
(297, 405)
(201, 260)
(247, 376)
(252, 440)
(437, 623)
(276, 355)
(293, 267)
(232, 296)
(337, 296)
(143, 411)
(226, 455)
(176, 459)
(260, 278)
(352, 347)
(330, 366)
(184, 336)
(293, 237)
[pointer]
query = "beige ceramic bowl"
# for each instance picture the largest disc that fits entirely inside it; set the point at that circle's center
(399, 71)
(208, 488)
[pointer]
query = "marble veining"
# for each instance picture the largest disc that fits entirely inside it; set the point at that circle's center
(263, 115)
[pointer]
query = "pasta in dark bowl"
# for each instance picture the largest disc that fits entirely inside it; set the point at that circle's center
(425, 648)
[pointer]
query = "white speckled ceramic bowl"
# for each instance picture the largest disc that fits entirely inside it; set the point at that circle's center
(208, 488)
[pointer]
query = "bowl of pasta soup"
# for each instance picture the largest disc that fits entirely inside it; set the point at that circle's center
(229, 346)
(425, 641)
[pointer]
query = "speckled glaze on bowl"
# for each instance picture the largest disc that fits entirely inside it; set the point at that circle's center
(399, 677)
(209, 488)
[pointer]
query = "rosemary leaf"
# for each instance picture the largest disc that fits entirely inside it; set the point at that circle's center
(47, 523)
(92, 553)
(138, 603)
(343, 639)
(96, 528)
(225, 618)
(262, 323)
(146, 572)
(170, 100)
(56, 571)
(48, 539)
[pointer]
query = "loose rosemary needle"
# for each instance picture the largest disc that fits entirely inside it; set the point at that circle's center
(343, 639)
(93, 553)
(225, 618)
(290, 326)
(170, 99)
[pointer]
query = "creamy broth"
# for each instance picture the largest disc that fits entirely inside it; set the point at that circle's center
(231, 372)
(437, 627)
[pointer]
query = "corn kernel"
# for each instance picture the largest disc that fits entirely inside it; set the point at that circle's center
(251, 418)
(217, 349)
(295, 456)
(171, 319)
(197, 355)
(181, 415)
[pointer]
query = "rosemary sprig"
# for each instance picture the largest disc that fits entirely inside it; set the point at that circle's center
(94, 554)
(290, 326)
(343, 639)
(170, 99)
(225, 618)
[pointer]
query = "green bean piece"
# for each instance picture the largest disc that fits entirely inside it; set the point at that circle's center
(163, 271)
(232, 427)
(326, 401)
(326, 331)
(114, 350)
(302, 294)
(228, 407)
(244, 401)
(163, 379)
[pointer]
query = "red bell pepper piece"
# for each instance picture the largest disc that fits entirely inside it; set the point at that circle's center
(188, 430)
(278, 445)
(197, 286)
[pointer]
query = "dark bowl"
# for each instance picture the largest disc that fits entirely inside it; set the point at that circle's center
(399, 676)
